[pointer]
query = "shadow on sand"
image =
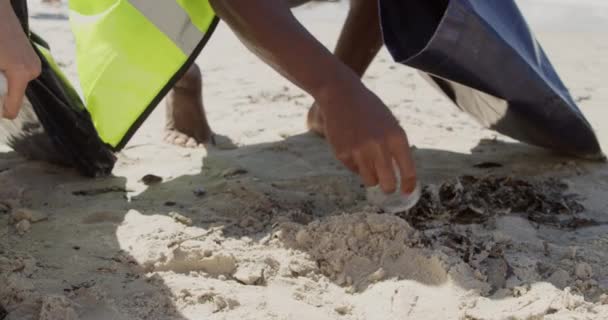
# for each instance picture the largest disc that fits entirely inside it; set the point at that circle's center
(278, 185)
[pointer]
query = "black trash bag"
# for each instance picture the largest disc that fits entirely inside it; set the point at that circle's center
(59, 129)
(483, 56)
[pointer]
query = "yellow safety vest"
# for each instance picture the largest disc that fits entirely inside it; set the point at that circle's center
(130, 53)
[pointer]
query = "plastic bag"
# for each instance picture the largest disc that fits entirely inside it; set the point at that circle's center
(54, 124)
(483, 56)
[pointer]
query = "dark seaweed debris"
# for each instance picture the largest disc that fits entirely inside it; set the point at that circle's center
(474, 200)
(151, 179)
(487, 165)
(4, 208)
(100, 191)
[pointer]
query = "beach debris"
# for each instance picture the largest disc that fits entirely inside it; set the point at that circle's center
(219, 302)
(23, 227)
(4, 208)
(199, 192)
(32, 216)
(233, 172)
(198, 237)
(151, 179)
(583, 271)
(475, 200)
(83, 285)
(487, 165)
(378, 275)
(250, 274)
(100, 191)
(580, 99)
(343, 309)
(180, 218)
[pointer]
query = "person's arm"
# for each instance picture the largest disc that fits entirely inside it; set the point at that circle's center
(268, 28)
(363, 133)
(18, 61)
(361, 36)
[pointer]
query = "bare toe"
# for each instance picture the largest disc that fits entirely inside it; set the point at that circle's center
(180, 140)
(191, 143)
(169, 136)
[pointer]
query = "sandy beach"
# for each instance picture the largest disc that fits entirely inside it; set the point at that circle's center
(276, 228)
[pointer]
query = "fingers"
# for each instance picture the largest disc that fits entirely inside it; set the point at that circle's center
(348, 161)
(384, 169)
(17, 80)
(374, 166)
(401, 153)
(14, 97)
(366, 169)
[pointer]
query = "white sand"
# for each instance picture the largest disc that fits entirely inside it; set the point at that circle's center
(292, 238)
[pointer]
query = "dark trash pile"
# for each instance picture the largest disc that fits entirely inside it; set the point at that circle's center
(476, 200)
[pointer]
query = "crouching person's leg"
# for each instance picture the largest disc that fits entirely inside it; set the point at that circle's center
(186, 122)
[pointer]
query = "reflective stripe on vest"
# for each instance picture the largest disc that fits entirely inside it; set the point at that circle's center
(130, 53)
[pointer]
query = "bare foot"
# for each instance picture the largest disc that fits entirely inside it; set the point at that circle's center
(315, 121)
(186, 122)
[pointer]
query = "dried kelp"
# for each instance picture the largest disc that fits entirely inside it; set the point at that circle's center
(475, 200)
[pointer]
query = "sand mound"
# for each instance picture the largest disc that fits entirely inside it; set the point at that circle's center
(500, 264)
(362, 248)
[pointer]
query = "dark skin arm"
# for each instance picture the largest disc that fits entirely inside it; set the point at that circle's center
(361, 37)
(358, 44)
(363, 133)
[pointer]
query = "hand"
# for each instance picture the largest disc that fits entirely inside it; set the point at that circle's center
(363, 133)
(18, 61)
(367, 138)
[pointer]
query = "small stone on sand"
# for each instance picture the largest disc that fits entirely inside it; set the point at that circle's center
(23, 227)
(378, 275)
(232, 172)
(151, 179)
(250, 274)
(343, 309)
(560, 278)
(199, 192)
(583, 271)
(180, 218)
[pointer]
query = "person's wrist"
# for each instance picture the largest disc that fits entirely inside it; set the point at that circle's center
(336, 87)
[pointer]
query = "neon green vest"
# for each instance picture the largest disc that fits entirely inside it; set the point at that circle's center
(130, 53)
